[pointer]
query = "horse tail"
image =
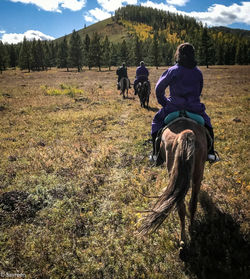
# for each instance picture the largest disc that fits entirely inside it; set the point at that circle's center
(179, 183)
(124, 83)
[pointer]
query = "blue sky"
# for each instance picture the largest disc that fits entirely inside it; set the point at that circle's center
(49, 19)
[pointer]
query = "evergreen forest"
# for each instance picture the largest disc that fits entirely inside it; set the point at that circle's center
(151, 35)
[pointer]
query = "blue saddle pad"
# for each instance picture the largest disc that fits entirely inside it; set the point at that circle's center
(173, 115)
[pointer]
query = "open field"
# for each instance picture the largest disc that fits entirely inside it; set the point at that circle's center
(74, 155)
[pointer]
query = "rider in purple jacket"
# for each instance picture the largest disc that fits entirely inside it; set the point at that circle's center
(185, 83)
(141, 74)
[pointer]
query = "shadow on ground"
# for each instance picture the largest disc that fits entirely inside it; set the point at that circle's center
(217, 249)
(153, 109)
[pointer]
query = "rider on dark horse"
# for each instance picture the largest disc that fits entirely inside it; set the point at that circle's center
(141, 75)
(122, 73)
(185, 81)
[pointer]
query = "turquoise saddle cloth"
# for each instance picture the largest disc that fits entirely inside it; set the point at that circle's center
(183, 113)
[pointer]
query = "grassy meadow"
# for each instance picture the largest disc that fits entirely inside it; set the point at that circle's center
(74, 176)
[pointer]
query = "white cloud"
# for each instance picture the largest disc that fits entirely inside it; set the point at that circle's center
(177, 2)
(224, 15)
(55, 5)
(107, 6)
(2, 31)
(112, 5)
(215, 15)
(96, 15)
(160, 6)
(14, 38)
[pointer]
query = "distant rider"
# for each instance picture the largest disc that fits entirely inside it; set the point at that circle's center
(141, 74)
(121, 72)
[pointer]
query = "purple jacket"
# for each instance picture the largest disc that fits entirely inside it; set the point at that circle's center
(185, 86)
(141, 74)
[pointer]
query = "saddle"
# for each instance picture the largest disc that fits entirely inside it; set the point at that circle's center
(175, 116)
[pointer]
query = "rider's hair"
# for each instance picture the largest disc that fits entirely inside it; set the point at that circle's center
(142, 63)
(185, 55)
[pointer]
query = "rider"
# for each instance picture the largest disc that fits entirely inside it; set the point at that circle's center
(121, 72)
(185, 82)
(141, 75)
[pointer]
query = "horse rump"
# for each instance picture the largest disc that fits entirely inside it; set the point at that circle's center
(143, 90)
(179, 183)
(124, 86)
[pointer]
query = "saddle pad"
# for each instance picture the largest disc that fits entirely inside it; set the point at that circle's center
(173, 115)
(196, 117)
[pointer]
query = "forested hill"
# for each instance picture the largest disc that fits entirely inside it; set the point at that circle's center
(133, 34)
(238, 32)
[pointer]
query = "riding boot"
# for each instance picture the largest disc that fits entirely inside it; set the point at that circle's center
(212, 154)
(154, 136)
(155, 158)
(135, 91)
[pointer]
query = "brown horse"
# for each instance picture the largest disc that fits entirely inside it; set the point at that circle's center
(184, 148)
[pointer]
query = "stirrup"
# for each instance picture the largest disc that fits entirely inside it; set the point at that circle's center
(152, 157)
(213, 158)
(155, 160)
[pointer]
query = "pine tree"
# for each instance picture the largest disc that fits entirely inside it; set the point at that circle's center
(95, 52)
(124, 53)
(86, 45)
(12, 56)
(3, 57)
(40, 54)
(47, 55)
(53, 52)
(219, 51)
(76, 51)
(62, 59)
(137, 50)
(239, 58)
(154, 50)
(25, 56)
(113, 55)
(204, 52)
(106, 53)
(37, 55)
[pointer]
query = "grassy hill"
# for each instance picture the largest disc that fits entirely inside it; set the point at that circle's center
(74, 174)
(115, 31)
(143, 21)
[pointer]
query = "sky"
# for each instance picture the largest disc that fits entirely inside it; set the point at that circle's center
(51, 19)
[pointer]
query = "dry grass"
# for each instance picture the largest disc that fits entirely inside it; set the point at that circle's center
(71, 165)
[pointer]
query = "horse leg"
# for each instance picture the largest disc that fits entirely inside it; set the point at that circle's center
(194, 200)
(182, 214)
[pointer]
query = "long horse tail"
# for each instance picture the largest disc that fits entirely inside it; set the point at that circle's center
(179, 183)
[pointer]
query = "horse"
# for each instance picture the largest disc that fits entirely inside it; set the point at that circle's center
(143, 91)
(124, 86)
(183, 147)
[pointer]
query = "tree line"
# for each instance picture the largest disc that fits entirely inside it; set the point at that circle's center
(213, 47)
